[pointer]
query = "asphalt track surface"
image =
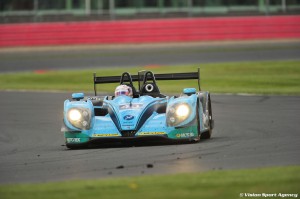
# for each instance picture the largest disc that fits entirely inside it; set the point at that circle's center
(250, 132)
(80, 57)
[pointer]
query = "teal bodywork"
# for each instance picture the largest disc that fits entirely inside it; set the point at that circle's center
(100, 118)
(129, 114)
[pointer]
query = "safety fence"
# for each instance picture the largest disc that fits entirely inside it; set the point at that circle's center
(150, 31)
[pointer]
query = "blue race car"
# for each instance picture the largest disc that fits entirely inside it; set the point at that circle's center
(145, 115)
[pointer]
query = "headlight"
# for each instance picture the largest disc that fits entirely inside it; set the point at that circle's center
(74, 115)
(182, 110)
(178, 113)
(79, 117)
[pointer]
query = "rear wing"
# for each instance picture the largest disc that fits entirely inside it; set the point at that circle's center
(140, 77)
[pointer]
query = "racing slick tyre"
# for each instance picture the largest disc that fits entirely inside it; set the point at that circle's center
(207, 134)
(198, 124)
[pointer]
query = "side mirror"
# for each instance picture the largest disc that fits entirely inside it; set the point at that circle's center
(77, 96)
(189, 91)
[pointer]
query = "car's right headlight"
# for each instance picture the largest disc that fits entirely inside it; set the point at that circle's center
(79, 117)
(178, 113)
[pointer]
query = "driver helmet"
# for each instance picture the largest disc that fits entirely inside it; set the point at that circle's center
(123, 90)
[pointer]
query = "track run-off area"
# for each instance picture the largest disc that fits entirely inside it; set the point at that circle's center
(250, 132)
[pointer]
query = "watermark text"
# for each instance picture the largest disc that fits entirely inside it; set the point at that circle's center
(269, 195)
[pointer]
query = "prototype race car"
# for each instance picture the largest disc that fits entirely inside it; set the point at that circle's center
(146, 115)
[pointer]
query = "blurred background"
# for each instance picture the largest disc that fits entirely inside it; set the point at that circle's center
(18, 11)
(69, 22)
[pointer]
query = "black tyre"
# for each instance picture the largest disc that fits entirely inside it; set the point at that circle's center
(198, 123)
(207, 134)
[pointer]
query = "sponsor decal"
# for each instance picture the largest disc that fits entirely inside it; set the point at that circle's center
(130, 106)
(128, 117)
(127, 125)
(73, 140)
(185, 135)
(93, 98)
(152, 133)
(106, 135)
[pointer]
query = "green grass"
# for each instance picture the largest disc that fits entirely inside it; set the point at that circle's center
(280, 77)
(213, 184)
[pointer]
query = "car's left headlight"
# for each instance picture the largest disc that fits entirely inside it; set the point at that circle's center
(178, 113)
(182, 111)
(79, 117)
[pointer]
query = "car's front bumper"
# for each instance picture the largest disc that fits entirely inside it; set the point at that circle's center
(138, 140)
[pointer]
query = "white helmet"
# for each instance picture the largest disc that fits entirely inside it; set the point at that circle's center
(123, 90)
